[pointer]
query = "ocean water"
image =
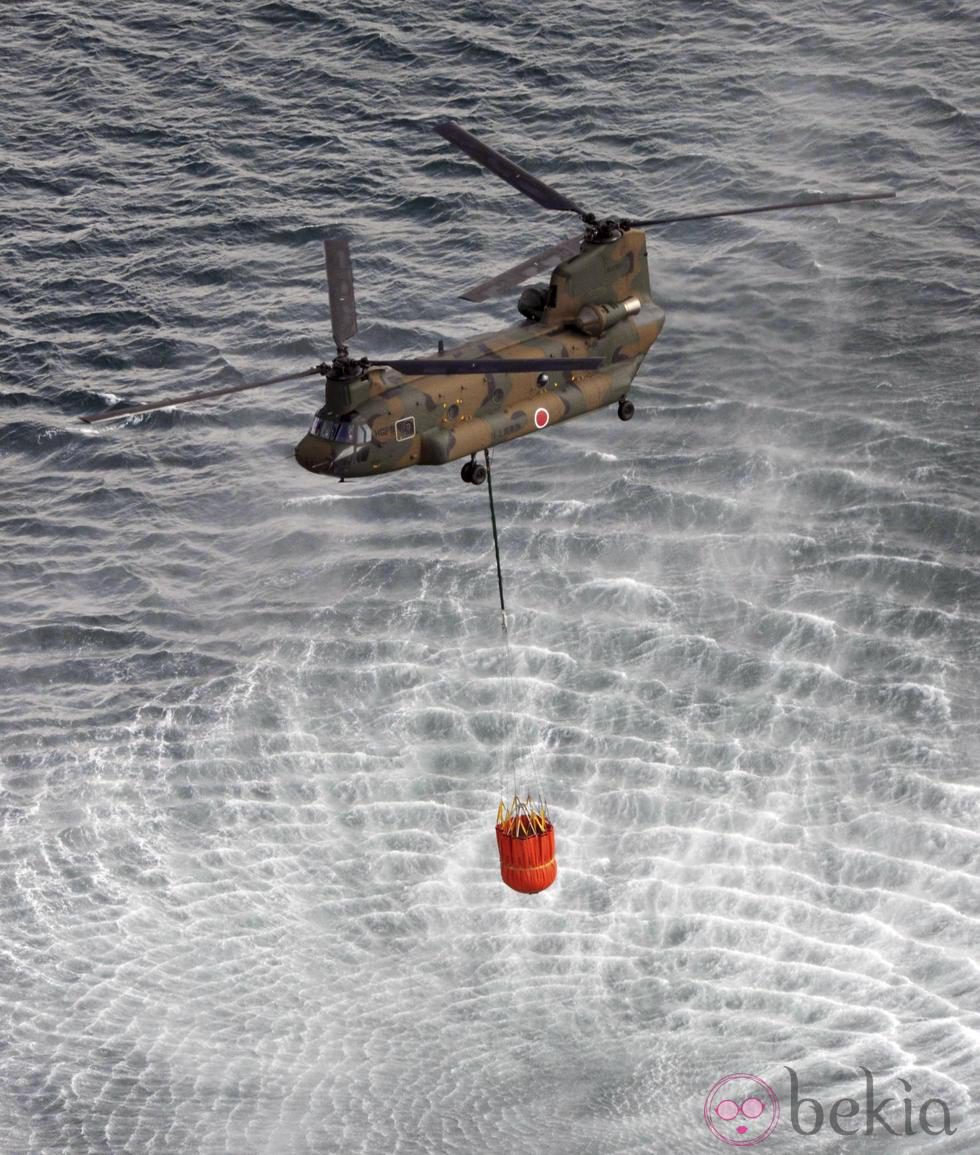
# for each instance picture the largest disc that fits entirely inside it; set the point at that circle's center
(254, 725)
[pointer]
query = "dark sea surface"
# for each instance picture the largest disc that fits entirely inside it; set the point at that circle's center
(254, 725)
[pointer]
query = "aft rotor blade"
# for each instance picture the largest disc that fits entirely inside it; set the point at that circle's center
(426, 366)
(804, 204)
(340, 286)
(129, 411)
(506, 169)
(536, 264)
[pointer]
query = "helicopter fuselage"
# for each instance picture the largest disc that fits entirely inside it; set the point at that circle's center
(584, 339)
(597, 304)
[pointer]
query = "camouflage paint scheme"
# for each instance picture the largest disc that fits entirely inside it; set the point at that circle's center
(459, 416)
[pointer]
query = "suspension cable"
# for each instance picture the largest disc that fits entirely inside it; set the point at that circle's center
(511, 671)
(496, 545)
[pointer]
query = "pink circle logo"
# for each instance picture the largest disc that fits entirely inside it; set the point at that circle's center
(741, 1110)
(541, 418)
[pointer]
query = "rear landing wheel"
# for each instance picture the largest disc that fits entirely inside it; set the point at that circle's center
(466, 473)
(626, 409)
(478, 474)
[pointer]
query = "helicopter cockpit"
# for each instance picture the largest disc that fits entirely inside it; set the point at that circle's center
(345, 430)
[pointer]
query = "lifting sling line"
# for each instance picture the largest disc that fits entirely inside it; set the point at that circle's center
(500, 587)
(496, 544)
(525, 836)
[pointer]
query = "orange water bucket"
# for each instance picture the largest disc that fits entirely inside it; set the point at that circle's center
(526, 844)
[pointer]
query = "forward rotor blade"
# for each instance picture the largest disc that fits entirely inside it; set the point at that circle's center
(514, 276)
(118, 414)
(804, 204)
(340, 286)
(506, 169)
(430, 366)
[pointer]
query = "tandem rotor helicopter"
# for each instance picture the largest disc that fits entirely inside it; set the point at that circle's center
(582, 340)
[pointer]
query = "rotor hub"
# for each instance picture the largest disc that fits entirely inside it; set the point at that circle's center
(604, 232)
(343, 367)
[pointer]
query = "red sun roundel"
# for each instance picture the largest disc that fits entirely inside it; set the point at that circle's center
(541, 418)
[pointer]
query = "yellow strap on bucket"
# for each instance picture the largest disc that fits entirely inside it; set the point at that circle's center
(528, 869)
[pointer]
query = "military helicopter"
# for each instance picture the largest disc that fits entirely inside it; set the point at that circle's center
(581, 342)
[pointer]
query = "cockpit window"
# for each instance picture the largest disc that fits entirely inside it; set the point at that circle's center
(346, 432)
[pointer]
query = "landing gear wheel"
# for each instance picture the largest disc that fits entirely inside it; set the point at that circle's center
(466, 473)
(626, 409)
(478, 474)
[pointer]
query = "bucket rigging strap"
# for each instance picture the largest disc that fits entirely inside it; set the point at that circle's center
(523, 817)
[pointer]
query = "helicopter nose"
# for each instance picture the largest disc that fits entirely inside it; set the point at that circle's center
(317, 455)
